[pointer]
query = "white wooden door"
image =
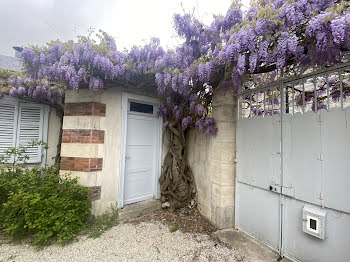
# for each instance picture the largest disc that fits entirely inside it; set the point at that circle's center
(140, 157)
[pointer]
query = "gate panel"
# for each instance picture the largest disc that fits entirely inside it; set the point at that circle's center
(302, 156)
(300, 246)
(258, 178)
(293, 168)
(336, 160)
(258, 214)
(258, 151)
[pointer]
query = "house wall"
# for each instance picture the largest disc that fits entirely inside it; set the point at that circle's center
(89, 127)
(91, 141)
(212, 160)
(53, 135)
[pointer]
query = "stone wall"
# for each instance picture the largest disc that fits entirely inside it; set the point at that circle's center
(212, 160)
(198, 156)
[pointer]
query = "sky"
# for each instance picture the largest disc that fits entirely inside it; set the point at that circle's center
(130, 22)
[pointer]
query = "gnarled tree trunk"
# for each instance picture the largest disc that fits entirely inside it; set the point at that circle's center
(176, 181)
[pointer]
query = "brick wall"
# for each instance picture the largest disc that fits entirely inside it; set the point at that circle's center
(85, 109)
(95, 193)
(83, 136)
(81, 164)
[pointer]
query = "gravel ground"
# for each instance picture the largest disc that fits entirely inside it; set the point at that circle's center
(128, 242)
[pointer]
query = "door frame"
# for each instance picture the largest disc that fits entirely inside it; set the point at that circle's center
(126, 97)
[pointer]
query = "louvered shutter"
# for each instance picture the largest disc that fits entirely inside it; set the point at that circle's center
(30, 124)
(8, 124)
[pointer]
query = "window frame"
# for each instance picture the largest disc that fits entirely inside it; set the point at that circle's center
(155, 108)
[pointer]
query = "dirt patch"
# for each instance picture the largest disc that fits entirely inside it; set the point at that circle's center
(187, 220)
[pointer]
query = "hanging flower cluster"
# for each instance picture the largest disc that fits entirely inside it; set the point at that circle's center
(272, 35)
(51, 70)
(38, 90)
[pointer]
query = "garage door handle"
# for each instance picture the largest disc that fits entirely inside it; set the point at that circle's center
(127, 157)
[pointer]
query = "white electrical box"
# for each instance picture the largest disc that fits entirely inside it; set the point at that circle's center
(314, 221)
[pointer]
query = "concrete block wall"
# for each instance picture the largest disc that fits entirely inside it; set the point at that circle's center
(215, 179)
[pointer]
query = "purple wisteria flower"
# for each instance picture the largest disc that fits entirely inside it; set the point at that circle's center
(186, 122)
(200, 110)
(272, 34)
(177, 111)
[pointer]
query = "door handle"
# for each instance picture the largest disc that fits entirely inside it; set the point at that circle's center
(127, 157)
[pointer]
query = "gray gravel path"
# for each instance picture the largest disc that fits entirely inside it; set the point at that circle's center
(128, 242)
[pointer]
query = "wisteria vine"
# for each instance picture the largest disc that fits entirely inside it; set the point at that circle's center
(273, 39)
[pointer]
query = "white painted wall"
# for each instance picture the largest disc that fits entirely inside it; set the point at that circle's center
(112, 123)
(53, 136)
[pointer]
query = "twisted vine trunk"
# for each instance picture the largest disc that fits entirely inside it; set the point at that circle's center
(176, 181)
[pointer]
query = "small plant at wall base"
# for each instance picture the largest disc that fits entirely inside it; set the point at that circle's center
(96, 226)
(39, 203)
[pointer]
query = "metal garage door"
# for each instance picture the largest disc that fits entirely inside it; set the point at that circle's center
(292, 166)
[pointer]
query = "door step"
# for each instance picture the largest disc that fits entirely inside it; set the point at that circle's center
(247, 246)
(138, 209)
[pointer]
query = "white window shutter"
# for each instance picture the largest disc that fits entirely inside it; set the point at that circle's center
(30, 127)
(8, 124)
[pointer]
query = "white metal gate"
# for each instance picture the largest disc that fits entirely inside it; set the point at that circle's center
(293, 147)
